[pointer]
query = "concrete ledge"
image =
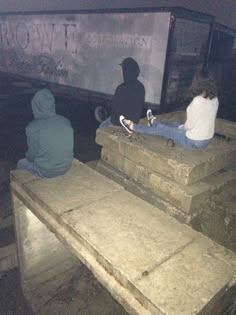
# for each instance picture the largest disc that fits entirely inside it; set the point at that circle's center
(226, 128)
(141, 191)
(148, 261)
(179, 164)
(187, 198)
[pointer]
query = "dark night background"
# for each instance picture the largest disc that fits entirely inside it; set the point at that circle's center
(224, 10)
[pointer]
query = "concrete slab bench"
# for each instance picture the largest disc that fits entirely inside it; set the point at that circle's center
(180, 165)
(190, 198)
(147, 260)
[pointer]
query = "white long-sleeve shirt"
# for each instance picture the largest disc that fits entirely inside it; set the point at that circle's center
(201, 116)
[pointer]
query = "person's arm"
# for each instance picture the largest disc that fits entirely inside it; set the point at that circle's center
(32, 143)
(139, 106)
(115, 107)
(193, 112)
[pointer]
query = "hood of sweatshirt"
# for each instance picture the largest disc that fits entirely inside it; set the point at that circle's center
(130, 70)
(43, 104)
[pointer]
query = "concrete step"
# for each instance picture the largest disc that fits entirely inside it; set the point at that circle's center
(142, 192)
(187, 198)
(179, 164)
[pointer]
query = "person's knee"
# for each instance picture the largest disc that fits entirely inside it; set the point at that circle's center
(21, 163)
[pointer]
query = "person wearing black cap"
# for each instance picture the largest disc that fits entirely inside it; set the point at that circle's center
(129, 96)
(198, 130)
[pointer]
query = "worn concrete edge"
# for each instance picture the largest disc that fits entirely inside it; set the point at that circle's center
(115, 287)
(221, 162)
(25, 186)
(194, 172)
(142, 192)
(184, 199)
(226, 128)
(106, 139)
(217, 304)
(189, 198)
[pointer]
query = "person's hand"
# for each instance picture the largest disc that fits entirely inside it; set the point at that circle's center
(181, 127)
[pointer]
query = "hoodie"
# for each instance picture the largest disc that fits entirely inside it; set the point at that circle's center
(50, 137)
(129, 96)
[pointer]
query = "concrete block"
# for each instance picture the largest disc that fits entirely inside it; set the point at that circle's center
(131, 247)
(77, 187)
(124, 217)
(143, 192)
(22, 177)
(187, 198)
(145, 260)
(226, 128)
(179, 164)
(180, 283)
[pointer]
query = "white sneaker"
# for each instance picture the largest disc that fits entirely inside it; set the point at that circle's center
(126, 124)
(150, 117)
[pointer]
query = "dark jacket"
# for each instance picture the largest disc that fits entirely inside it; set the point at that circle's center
(129, 96)
(50, 137)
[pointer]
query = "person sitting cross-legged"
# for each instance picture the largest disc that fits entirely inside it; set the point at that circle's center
(50, 139)
(199, 127)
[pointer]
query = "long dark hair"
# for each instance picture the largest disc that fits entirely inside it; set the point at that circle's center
(205, 84)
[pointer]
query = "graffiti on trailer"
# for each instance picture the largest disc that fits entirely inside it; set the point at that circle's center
(37, 36)
(38, 64)
(46, 36)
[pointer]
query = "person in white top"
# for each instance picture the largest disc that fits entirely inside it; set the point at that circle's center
(199, 126)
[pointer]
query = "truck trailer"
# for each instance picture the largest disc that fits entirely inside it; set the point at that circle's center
(79, 52)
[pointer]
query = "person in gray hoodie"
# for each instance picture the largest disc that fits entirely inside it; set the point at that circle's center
(50, 139)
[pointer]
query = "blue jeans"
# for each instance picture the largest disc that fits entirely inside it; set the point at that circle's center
(30, 167)
(170, 131)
